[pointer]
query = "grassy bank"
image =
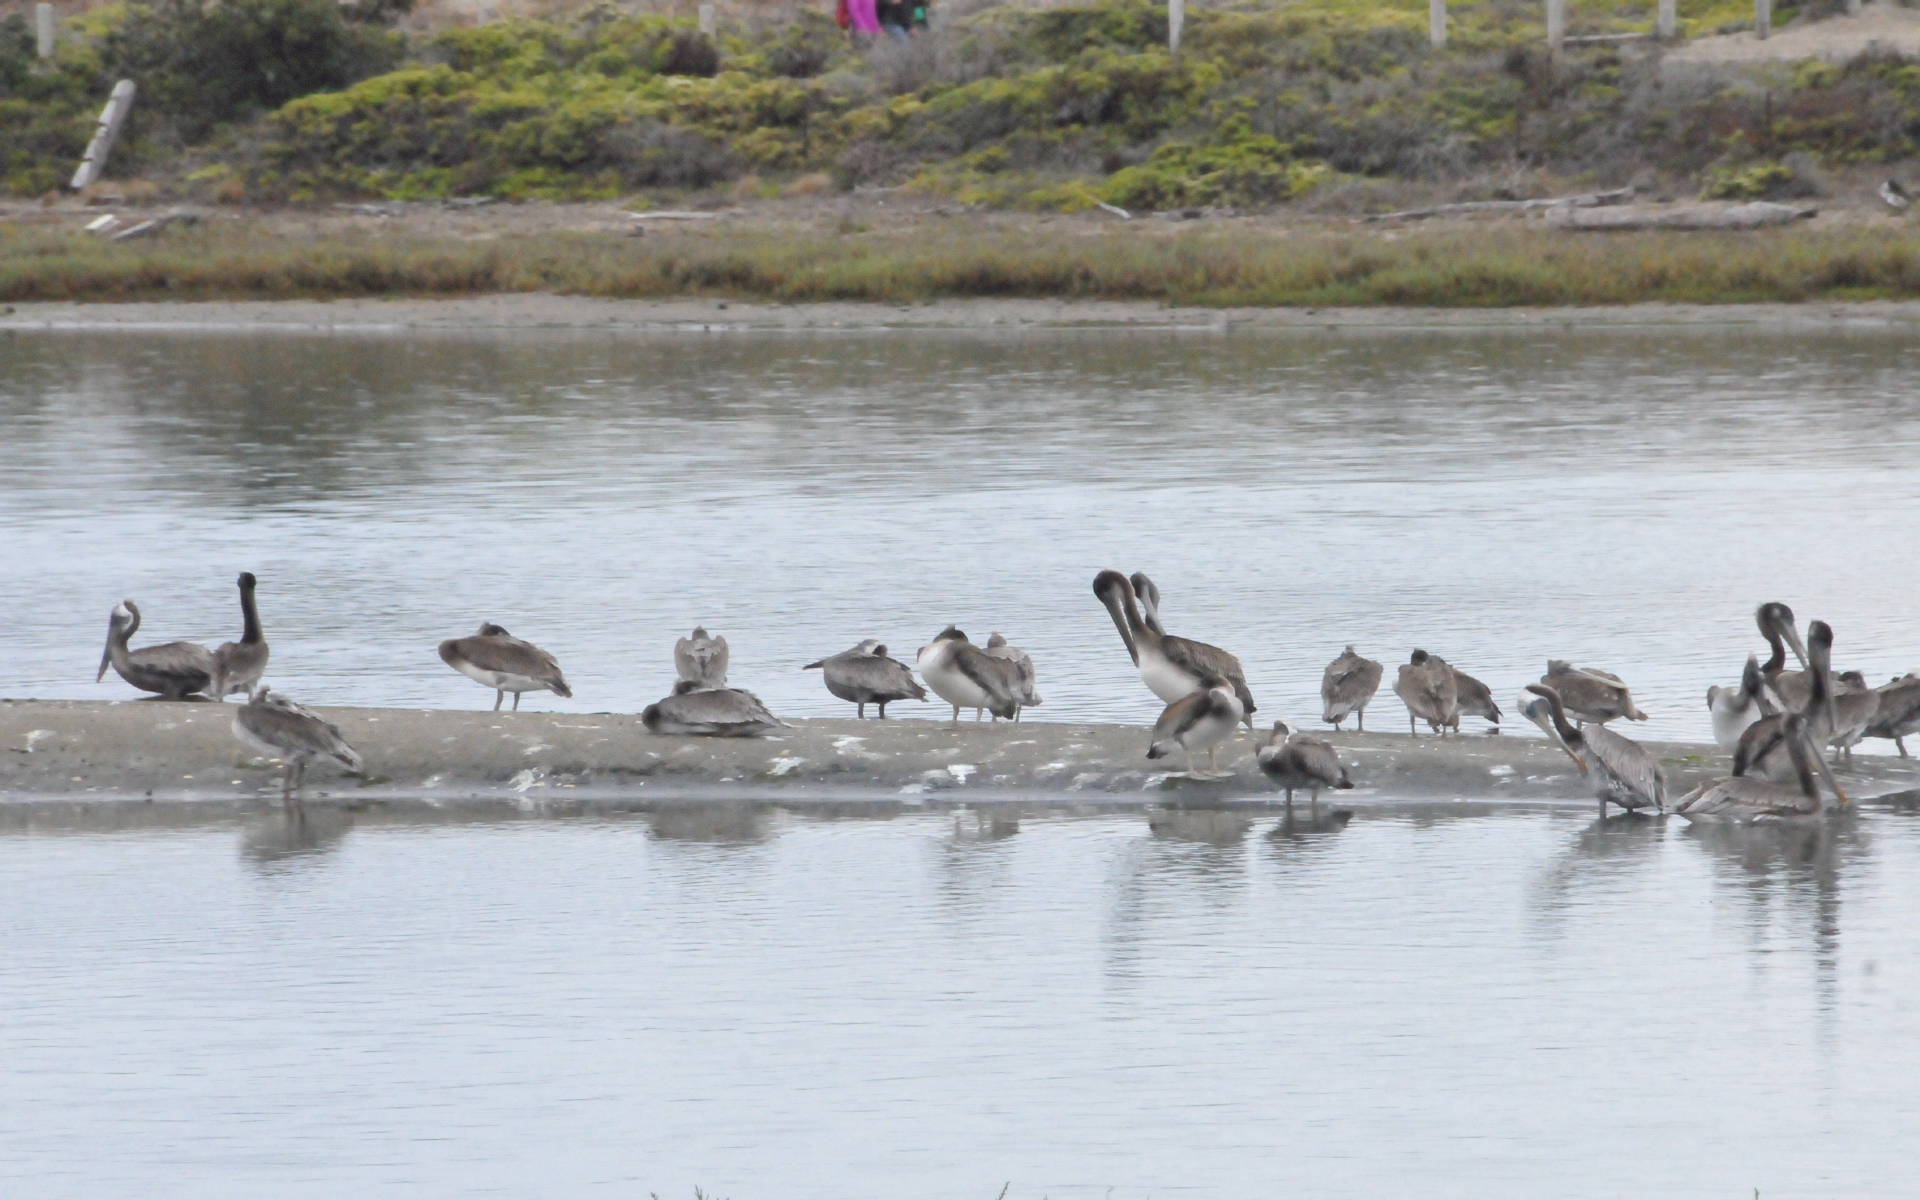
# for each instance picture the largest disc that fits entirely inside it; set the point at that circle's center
(1232, 264)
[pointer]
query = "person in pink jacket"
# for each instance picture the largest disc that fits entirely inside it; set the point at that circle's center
(866, 20)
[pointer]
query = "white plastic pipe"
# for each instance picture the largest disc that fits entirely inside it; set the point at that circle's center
(112, 117)
(43, 27)
(706, 19)
(1176, 17)
(1669, 19)
(1556, 23)
(1437, 22)
(1762, 17)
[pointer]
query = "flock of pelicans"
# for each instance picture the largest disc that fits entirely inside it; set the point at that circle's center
(1777, 723)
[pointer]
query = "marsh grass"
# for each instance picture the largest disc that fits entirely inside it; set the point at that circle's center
(1228, 266)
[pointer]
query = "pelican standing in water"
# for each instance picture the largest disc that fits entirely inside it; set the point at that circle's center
(865, 675)
(504, 663)
(1299, 760)
(173, 670)
(1899, 713)
(1594, 697)
(275, 727)
(709, 712)
(1171, 667)
(1621, 770)
(701, 659)
(1426, 686)
(238, 666)
(1199, 721)
(1022, 669)
(1735, 709)
(1743, 798)
(966, 676)
(1472, 699)
(1348, 687)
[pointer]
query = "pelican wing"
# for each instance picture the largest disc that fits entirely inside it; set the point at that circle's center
(702, 660)
(1180, 716)
(1899, 713)
(1473, 697)
(875, 675)
(1316, 758)
(1629, 761)
(711, 712)
(1745, 799)
(1349, 682)
(994, 676)
(1762, 751)
(1200, 659)
(238, 663)
(187, 663)
(296, 732)
(509, 655)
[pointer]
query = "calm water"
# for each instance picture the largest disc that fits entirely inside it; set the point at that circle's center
(1517, 1003)
(1621, 499)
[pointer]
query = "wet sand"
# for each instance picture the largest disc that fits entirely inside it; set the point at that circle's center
(186, 751)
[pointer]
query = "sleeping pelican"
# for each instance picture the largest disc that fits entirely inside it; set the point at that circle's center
(1348, 687)
(1594, 697)
(701, 659)
(865, 675)
(966, 676)
(275, 727)
(1621, 770)
(1734, 709)
(1199, 721)
(504, 663)
(1899, 713)
(709, 712)
(1743, 798)
(1171, 667)
(1023, 670)
(1425, 685)
(173, 670)
(238, 666)
(1472, 699)
(1299, 760)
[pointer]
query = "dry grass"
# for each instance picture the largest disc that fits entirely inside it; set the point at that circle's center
(1231, 264)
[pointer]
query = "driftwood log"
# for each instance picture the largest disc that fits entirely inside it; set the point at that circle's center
(1757, 214)
(1585, 200)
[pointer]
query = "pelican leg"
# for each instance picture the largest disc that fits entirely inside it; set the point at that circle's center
(1191, 768)
(286, 784)
(1412, 731)
(1314, 801)
(860, 712)
(516, 702)
(1900, 744)
(1289, 801)
(883, 710)
(498, 697)
(1361, 716)
(956, 714)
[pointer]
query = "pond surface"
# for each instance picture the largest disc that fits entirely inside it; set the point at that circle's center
(1620, 498)
(1443, 1002)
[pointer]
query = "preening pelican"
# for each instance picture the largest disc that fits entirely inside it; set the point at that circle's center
(1472, 699)
(1171, 667)
(865, 675)
(1300, 760)
(1899, 713)
(1591, 695)
(966, 676)
(1022, 668)
(1621, 770)
(1200, 721)
(238, 666)
(709, 712)
(1734, 709)
(701, 659)
(173, 670)
(275, 727)
(504, 663)
(1743, 798)
(1425, 685)
(1765, 750)
(1348, 687)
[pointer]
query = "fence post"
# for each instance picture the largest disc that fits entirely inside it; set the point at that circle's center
(1556, 24)
(706, 19)
(1762, 18)
(1669, 19)
(1437, 23)
(112, 117)
(1176, 17)
(43, 27)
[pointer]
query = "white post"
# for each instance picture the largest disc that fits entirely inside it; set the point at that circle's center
(1437, 23)
(1556, 24)
(1762, 17)
(706, 19)
(1853, 8)
(43, 25)
(1176, 17)
(1669, 19)
(112, 117)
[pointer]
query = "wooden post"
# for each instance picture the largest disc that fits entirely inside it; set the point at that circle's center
(1556, 24)
(1176, 17)
(1669, 19)
(706, 19)
(1762, 17)
(112, 117)
(43, 26)
(1437, 23)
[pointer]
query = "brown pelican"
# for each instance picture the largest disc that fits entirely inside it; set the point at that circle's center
(701, 659)
(1473, 699)
(1171, 667)
(1348, 687)
(238, 666)
(709, 712)
(1621, 770)
(276, 727)
(1593, 696)
(966, 676)
(1734, 709)
(1425, 685)
(1899, 713)
(1764, 750)
(1747, 799)
(174, 670)
(1777, 626)
(504, 663)
(1023, 670)
(865, 675)
(1199, 721)
(1299, 760)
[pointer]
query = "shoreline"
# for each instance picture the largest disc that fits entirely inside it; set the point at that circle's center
(55, 750)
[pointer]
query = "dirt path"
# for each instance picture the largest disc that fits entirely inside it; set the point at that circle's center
(1835, 39)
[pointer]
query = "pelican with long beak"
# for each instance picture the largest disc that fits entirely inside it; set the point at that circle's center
(239, 666)
(504, 663)
(1746, 799)
(172, 670)
(1777, 626)
(1765, 750)
(275, 727)
(1171, 667)
(1621, 770)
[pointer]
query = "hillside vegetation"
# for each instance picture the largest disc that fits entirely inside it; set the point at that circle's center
(1051, 109)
